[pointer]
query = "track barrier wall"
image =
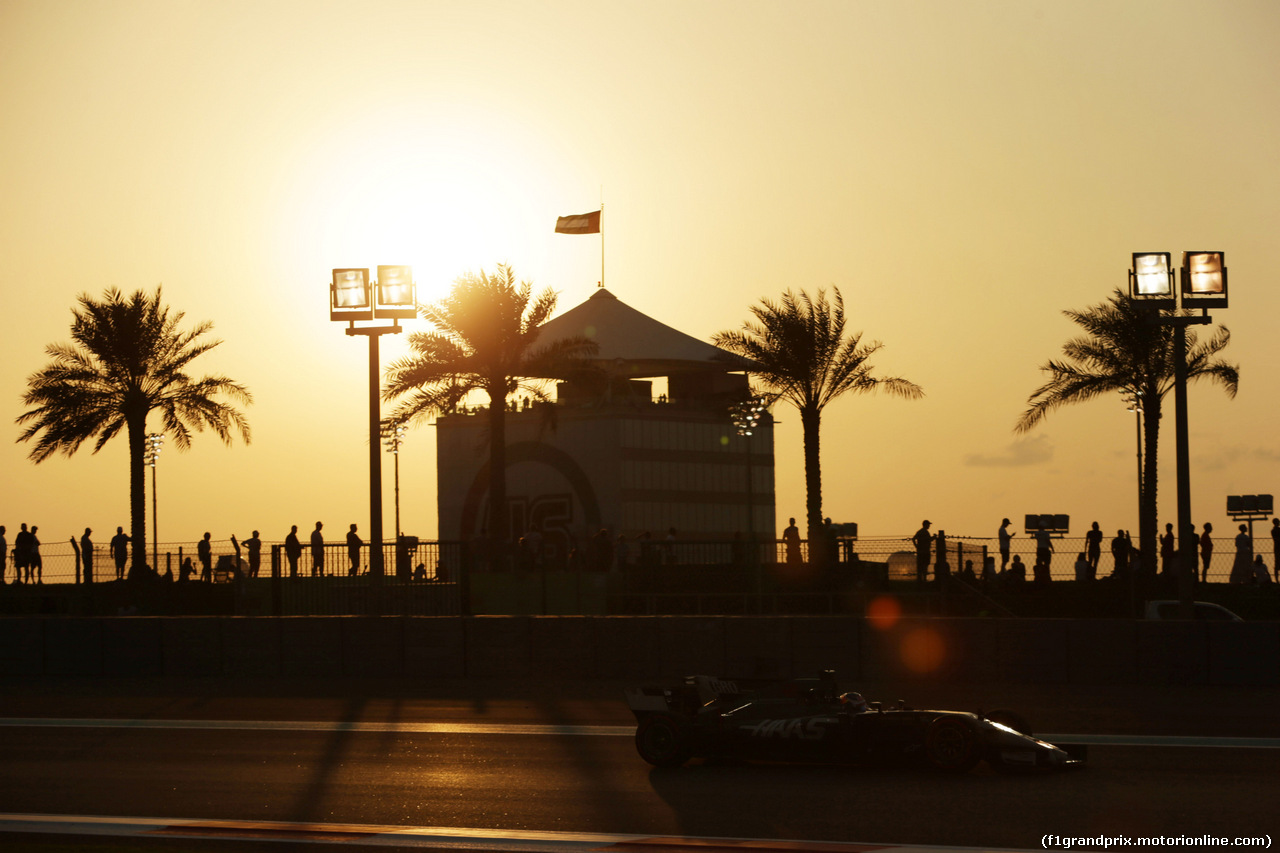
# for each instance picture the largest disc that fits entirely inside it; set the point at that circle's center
(1022, 651)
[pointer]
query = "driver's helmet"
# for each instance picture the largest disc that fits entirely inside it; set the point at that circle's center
(853, 702)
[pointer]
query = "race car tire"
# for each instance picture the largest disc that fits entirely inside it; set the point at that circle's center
(663, 740)
(951, 745)
(1012, 719)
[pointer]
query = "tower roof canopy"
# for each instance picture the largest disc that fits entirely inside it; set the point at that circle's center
(636, 342)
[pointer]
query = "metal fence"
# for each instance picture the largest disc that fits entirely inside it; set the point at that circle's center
(433, 561)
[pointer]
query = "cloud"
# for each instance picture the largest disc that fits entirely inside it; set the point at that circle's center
(1030, 451)
(1221, 458)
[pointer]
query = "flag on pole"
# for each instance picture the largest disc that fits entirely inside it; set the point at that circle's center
(583, 223)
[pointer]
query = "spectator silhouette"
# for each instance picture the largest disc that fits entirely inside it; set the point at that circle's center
(86, 555)
(21, 548)
(1120, 553)
(1275, 542)
(1044, 545)
(1260, 573)
(941, 568)
(1206, 551)
(989, 570)
(669, 546)
(186, 570)
(292, 550)
(254, 545)
(4, 554)
(791, 543)
(1093, 549)
(204, 551)
(1168, 547)
(35, 566)
(354, 544)
(317, 551)
(921, 540)
(1006, 539)
(1084, 570)
(120, 551)
(1242, 567)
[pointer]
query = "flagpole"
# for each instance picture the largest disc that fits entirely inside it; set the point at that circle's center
(602, 241)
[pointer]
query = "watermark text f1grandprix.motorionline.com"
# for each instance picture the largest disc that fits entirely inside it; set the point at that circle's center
(1106, 842)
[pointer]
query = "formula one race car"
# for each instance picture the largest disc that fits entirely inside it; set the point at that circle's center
(810, 720)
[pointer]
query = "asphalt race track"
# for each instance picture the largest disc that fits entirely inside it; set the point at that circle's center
(559, 758)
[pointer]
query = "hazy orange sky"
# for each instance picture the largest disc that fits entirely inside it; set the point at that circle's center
(962, 171)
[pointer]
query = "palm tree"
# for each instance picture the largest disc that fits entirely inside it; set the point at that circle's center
(800, 352)
(484, 340)
(128, 358)
(1125, 349)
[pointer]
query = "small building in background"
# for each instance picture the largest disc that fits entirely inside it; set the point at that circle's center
(645, 445)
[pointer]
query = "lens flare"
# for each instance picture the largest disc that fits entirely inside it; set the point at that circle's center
(884, 612)
(923, 650)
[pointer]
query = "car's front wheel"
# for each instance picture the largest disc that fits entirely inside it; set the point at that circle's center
(951, 745)
(664, 740)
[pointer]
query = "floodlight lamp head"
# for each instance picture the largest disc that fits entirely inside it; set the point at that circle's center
(395, 293)
(1151, 280)
(349, 295)
(1204, 280)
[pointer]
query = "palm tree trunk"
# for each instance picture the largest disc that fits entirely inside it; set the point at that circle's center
(137, 429)
(498, 531)
(1148, 518)
(810, 422)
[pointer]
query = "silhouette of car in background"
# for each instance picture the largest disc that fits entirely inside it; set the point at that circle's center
(1205, 611)
(810, 720)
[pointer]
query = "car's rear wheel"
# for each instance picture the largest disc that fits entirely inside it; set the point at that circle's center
(951, 745)
(663, 740)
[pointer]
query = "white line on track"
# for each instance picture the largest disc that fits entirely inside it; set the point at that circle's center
(436, 837)
(561, 730)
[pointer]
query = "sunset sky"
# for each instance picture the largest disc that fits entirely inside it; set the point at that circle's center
(961, 171)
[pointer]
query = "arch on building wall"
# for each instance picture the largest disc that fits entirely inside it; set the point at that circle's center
(537, 453)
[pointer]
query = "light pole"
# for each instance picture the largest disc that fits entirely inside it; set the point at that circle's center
(746, 418)
(353, 297)
(1204, 286)
(1134, 401)
(149, 458)
(393, 437)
